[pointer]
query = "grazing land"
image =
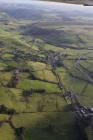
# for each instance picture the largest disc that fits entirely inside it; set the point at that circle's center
(37, 46)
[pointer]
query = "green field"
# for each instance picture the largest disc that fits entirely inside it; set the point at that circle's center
(28, 84)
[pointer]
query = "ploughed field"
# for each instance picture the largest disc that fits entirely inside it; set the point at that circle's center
(31, 103)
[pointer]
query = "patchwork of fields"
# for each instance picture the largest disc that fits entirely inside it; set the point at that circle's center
(32, 106)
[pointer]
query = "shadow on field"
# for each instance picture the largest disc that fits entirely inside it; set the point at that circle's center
(55, 126)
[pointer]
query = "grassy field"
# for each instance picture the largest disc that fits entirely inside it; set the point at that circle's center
(26, 65)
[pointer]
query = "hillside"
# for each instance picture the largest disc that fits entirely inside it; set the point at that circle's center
(37, 50)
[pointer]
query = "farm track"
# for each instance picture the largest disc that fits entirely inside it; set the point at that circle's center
(83, 70)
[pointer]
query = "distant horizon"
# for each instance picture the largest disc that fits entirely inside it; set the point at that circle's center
(17, 1)
(48, 3)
